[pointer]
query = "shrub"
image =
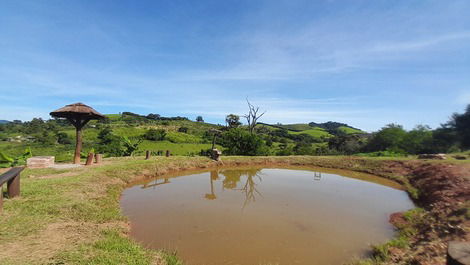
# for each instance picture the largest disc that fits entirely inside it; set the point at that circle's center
(238, 141)
(183, 129)
(63, 138)
(155, 135)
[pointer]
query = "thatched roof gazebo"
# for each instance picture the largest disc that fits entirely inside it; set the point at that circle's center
(79, 115)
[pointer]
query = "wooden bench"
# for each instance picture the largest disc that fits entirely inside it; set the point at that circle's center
(12, 178)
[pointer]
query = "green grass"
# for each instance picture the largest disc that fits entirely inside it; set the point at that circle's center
(178, 137)
(175, 148)
(113, 117)
(315, 132)
(296, 126)
(112, 248)
(349, 130)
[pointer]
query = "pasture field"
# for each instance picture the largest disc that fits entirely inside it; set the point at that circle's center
(315, 132)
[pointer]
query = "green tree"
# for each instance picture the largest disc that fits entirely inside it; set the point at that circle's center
(155, 135)
(109, 144)
(444, 139)
(418, 141)
(303, 148)
(183, 129)
(238, 141)
(461, 124)
(199, 119)
(389, 137)
(46, 138)
(343, 143)
(63, 138)
(233, 121)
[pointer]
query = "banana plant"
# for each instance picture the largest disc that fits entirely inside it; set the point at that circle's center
(7, 161)
(130, 145)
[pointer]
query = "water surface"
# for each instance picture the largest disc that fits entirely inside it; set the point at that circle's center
(255, 216)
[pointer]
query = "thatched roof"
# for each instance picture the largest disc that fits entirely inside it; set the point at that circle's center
(77, 110)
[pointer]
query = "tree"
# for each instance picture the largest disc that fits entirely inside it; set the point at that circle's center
(46, 139)
(233, 121)
(199, 119)
(345, 143)
(252, 116)
(238, 141)
(389, 137)
(461, 124)
(63, 138)
(155, 135)
(418, 141)
(303, 148)
(152, 116)
(183, 129)
(444, 139)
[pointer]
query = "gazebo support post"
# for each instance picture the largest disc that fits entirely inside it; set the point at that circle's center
(78, 146)
(78, 124)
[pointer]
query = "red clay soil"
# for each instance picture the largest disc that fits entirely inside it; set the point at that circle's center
(444, 191)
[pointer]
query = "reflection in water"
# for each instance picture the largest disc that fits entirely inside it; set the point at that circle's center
(155, 183)
(300, 217)
(231, 179)
(213, 176)
(317, 175)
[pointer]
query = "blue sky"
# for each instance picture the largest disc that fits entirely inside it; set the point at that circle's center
(366, 63)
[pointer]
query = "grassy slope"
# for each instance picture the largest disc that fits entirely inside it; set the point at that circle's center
(315, 132)
(296, 126)
(349, 130)
(73, 216)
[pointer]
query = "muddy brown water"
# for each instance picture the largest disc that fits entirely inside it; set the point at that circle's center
(264, 216)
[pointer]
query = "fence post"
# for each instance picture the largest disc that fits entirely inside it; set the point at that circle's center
(89, 159)
(98, 158)
(147, 155)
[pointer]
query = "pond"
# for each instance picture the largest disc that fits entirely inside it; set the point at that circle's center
(261, 216)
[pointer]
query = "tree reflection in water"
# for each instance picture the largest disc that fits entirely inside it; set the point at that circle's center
(232, 177)
(213, 176)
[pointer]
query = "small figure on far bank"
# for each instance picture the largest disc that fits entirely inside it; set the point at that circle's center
(215, 153)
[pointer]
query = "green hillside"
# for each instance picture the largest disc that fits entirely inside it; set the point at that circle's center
(349, 130)
(178, 134)
(183, 137)
(315, 132)
(296, 126)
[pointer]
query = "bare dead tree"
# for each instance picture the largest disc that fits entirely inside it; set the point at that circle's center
(252, 116)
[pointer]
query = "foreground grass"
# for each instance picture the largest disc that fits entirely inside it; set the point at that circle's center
(73, 216)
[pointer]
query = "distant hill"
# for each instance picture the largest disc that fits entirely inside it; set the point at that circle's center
(4, 121)
(318, 128)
